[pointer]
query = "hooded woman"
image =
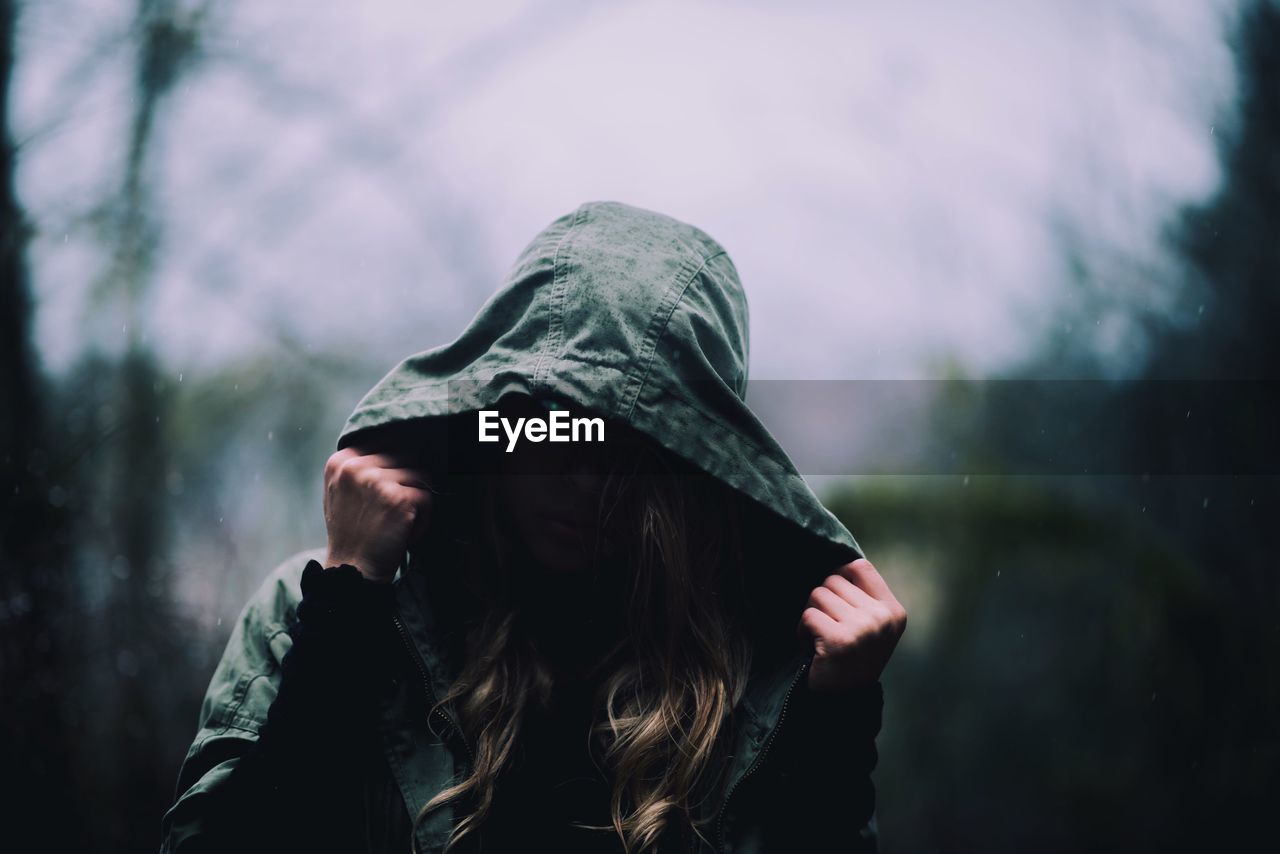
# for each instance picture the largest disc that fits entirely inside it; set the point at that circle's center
(574, 597)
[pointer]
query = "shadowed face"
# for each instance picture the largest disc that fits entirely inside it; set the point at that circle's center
(550, 494)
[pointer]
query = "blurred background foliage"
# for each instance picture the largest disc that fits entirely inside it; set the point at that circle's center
(1099, 663)
(1092, 661)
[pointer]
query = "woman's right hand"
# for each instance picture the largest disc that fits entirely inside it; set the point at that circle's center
(375, 505)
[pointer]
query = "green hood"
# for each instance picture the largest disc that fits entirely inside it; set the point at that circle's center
(637, 317)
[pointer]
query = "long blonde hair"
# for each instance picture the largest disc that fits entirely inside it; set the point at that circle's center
(663, 694)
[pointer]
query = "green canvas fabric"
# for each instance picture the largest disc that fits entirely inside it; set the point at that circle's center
(625, 312)
(637, 316)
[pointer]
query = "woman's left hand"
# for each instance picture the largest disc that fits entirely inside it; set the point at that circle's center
(854, 621)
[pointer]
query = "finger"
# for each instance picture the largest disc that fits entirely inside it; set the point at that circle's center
(832, 605)
(376, 469)
(814, 624)
(416, 477)
(337, 460)
(386, 460)
(402, 494)
(850, 592)
(864, 575)
(418, 501)
(350, 464)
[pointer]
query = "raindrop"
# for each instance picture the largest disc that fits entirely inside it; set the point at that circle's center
(966, 480)
(179, 376)
(1205, 505)
(270, 435)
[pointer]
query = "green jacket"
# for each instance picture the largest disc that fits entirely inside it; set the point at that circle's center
(641, 318)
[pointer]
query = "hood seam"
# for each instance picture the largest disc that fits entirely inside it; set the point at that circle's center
(559, 287)
(658, 327)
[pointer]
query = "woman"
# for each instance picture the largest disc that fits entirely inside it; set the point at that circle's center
(653, 638)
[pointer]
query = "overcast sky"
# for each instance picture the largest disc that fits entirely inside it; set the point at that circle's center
(889, 178)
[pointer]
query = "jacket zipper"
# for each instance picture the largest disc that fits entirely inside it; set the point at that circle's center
(431, 694)
(773, 734)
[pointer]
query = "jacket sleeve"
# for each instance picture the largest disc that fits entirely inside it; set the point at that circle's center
(813, 790)
(286, 723)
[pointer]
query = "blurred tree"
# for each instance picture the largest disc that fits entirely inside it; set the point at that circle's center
(1226, 334)
(34, 535)
(132, 638)
(1100, 668)
(1045, 635)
